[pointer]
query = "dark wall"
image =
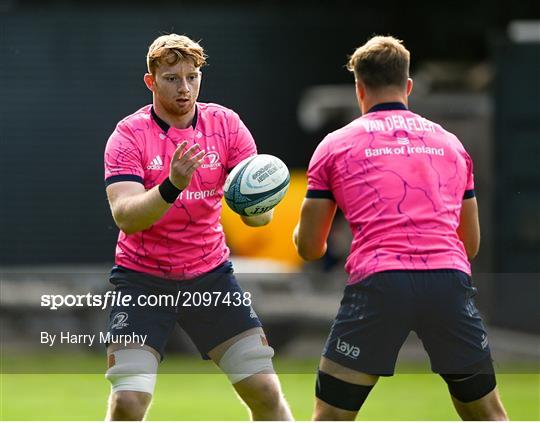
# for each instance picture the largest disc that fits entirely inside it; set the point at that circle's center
(71, 70)
(516, 293)
(517, 157)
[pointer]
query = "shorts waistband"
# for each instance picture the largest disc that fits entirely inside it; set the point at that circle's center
(121, 274)
(412, 272)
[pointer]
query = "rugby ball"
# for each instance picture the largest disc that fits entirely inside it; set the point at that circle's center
(256, 185)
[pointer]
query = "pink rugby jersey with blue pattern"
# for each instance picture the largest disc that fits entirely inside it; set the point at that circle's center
(188, 240)
(400, 181)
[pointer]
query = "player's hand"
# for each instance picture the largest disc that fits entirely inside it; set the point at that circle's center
(184, 163)
(258, 219)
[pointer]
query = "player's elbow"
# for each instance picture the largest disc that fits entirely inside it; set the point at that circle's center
(309, 256)
(472, 247)
(309, 252)
(128, 231)
(471, 242)
(126, 225)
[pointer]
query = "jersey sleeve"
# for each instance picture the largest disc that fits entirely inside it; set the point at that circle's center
(242, 144)
(318, 174)
(469, 186)
(123, 157)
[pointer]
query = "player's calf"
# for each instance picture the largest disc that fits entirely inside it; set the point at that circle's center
(487, 408)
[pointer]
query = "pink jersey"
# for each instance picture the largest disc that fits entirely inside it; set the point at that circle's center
(188, 240)
(400, 181)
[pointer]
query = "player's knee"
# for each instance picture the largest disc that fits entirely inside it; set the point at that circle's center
(246, 357)
(132, 370)
(341, 394)
(472, 386)
(129, 405)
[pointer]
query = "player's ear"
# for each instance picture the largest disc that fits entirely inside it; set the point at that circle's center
(409, 86)
(149, 81)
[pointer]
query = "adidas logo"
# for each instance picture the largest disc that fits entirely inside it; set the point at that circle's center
(484, 341)
(156, 163)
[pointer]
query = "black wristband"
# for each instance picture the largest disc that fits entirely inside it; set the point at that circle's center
(168, 191)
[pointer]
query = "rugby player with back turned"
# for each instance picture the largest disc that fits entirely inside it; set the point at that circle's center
(165, 166)
(405, 185)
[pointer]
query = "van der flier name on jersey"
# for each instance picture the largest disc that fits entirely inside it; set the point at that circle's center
(393, 122)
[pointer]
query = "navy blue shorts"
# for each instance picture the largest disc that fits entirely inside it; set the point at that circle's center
(377, 314)
(211, 308)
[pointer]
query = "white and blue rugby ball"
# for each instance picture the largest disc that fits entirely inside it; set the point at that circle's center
(256, 185)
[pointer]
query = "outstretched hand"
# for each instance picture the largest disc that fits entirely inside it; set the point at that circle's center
(184, 163)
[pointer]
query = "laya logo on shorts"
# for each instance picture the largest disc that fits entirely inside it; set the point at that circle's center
(119, 320)
(348, 350)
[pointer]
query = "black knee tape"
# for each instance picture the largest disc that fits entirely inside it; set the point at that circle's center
(340, 394)
(469, 387)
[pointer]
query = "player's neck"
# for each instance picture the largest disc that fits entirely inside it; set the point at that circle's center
(372, 100)
(180, 122)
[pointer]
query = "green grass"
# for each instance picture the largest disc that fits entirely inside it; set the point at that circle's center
(208, 396)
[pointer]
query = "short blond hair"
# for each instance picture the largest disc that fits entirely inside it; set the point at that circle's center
(381, 62)
(172, 48)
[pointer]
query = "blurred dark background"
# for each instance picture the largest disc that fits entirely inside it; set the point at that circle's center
(71, 70)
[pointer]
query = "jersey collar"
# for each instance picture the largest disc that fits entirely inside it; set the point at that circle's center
(395, 105)
(165, 126)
